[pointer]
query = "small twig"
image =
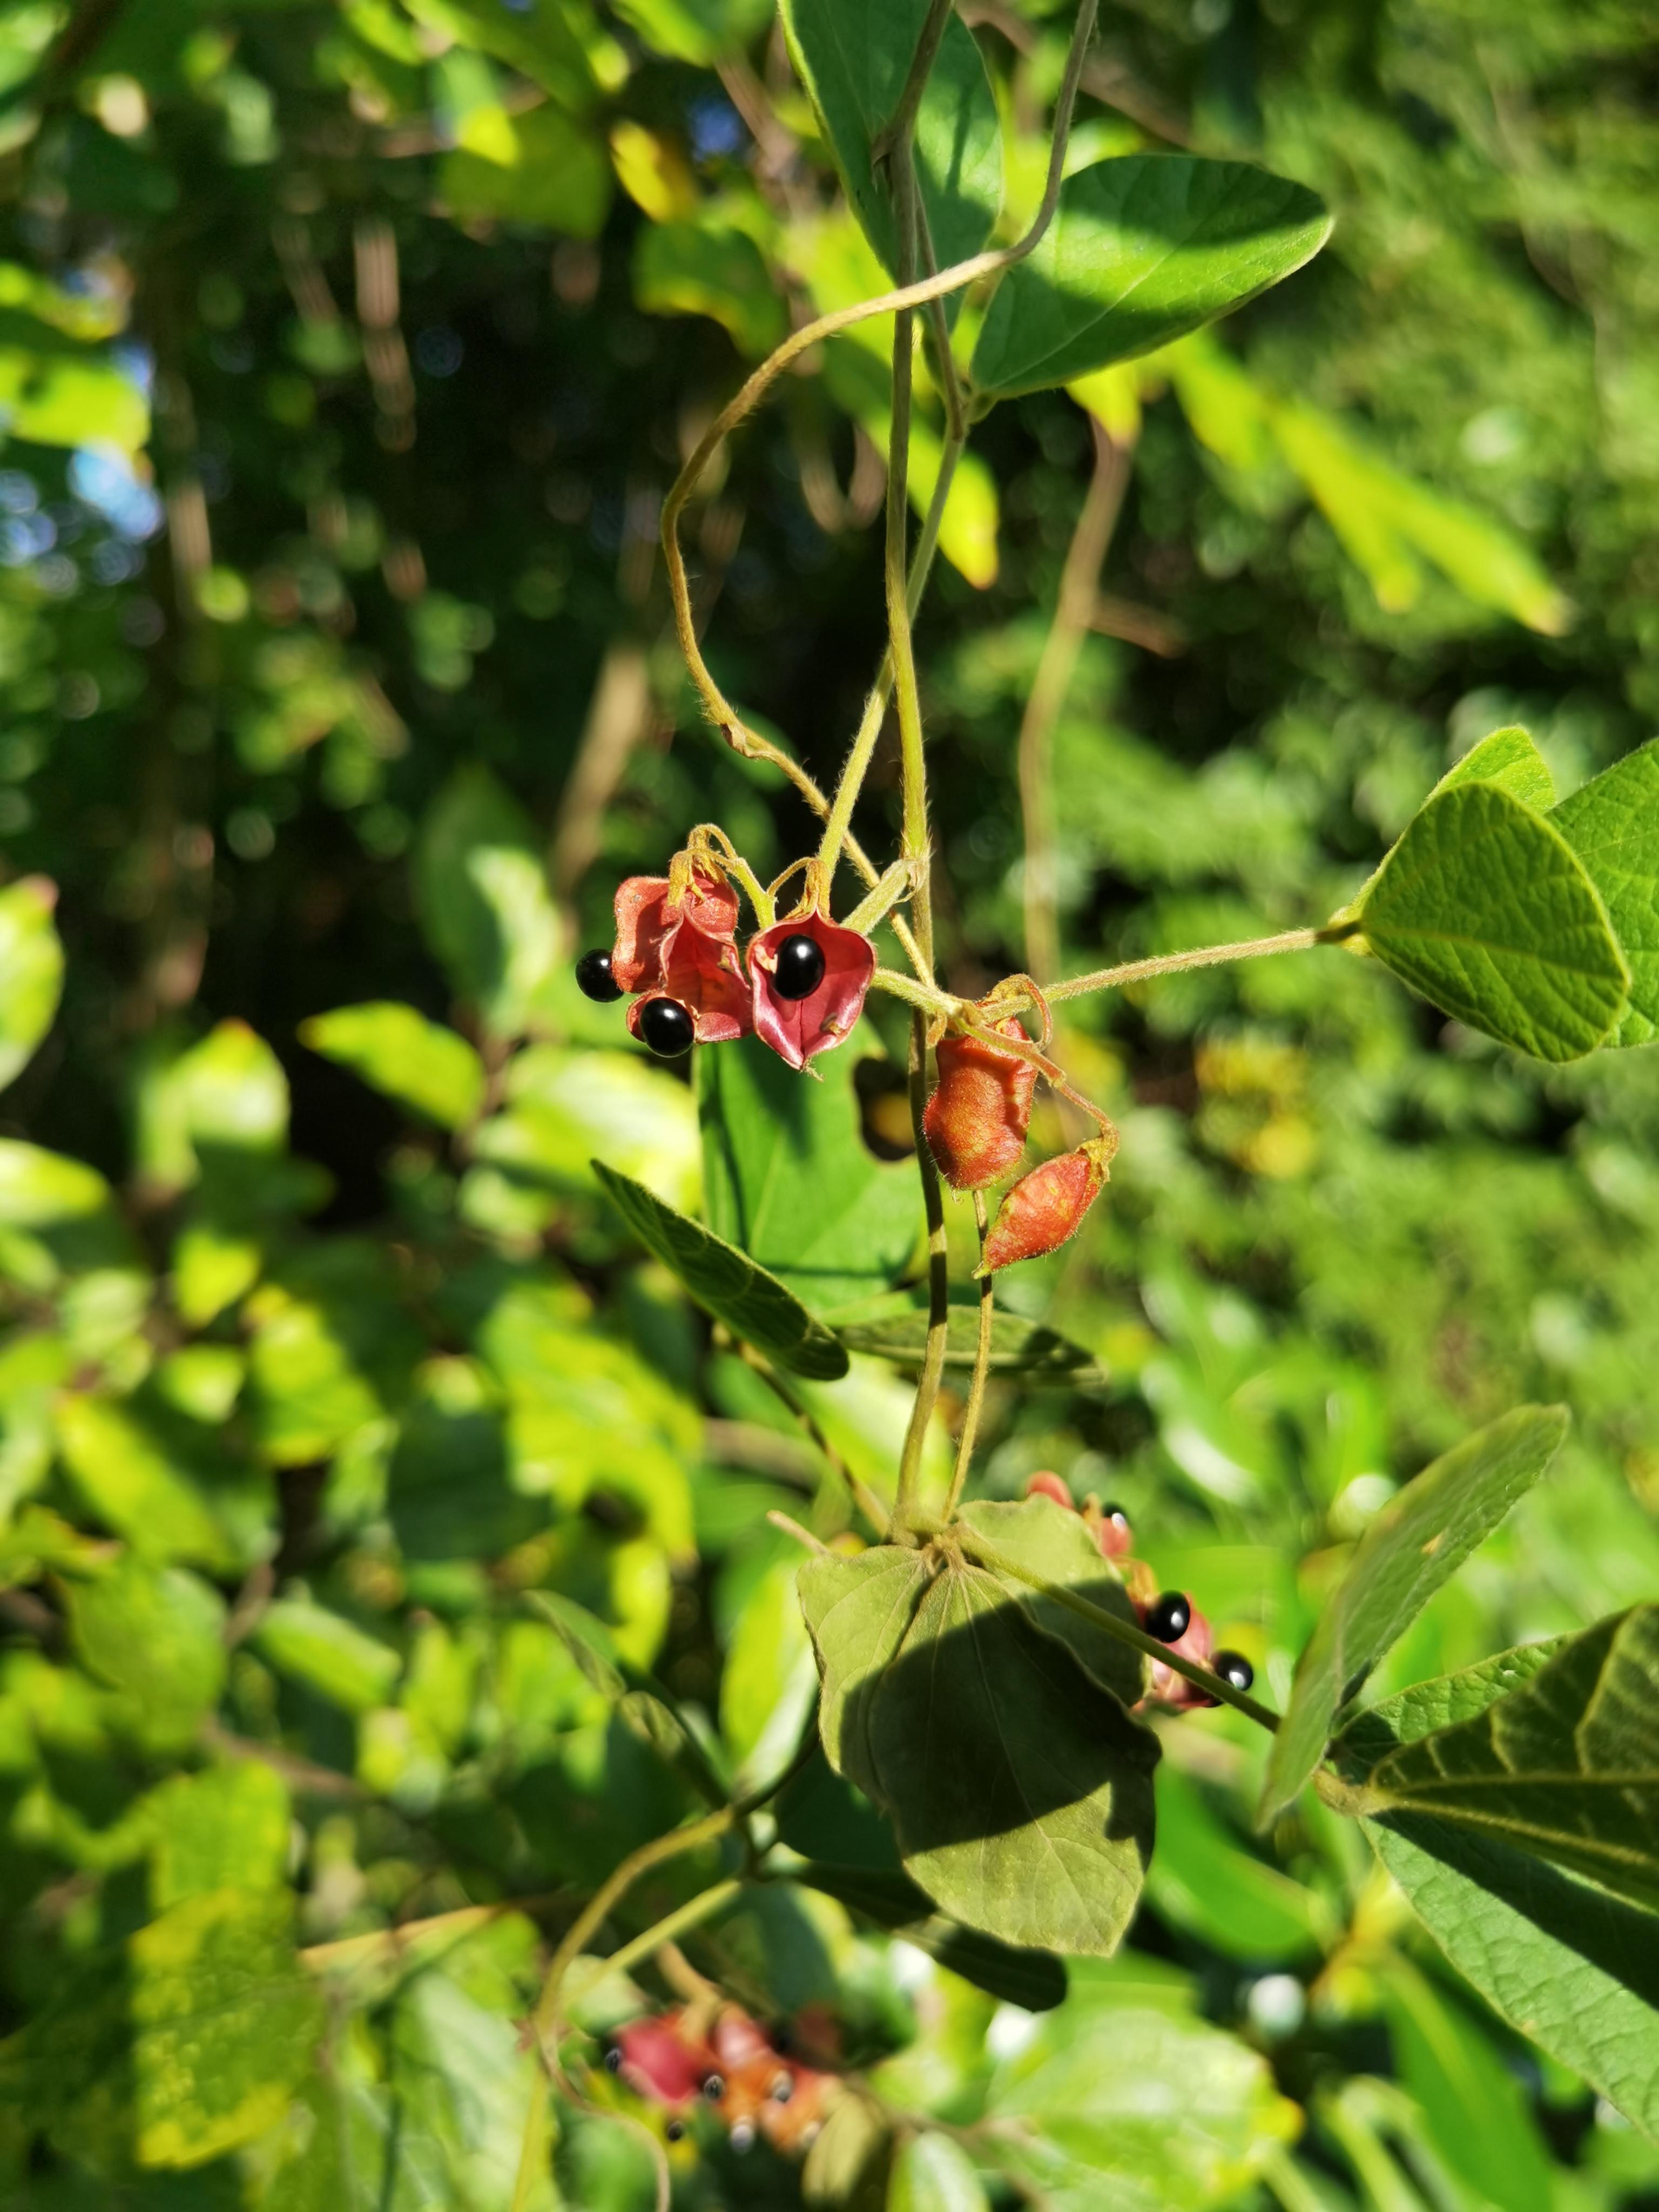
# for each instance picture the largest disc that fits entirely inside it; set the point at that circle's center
(1205, 955)
(394, 1943)
(703, 1906)
(609, 1894)
(863, 1496)
(975, 1404)
(803, 1537)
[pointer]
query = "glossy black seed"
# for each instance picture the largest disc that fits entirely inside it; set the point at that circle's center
(743, 2137)
(613, 2058)
(781, 2090)
(1168, 1617)
(666, 1027)
(800, 968)
(674, 2131)
(713, 2087)
(1234, 1668)
(594, 978)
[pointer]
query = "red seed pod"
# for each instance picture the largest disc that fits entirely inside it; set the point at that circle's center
(1172, 1691)
(1047, 1484)
(1109, 1526)
(1047, 1206)
(809, 978)
(660, 2061)
(976, 1119)
(684, 949)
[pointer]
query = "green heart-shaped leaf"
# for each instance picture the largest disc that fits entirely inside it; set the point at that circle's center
(1020, 1790)
(1415, 1544)
(1570, 1966)
(753, 1304)
(1486, 909)
(1613, 825)
(854, 57)
(1141, 250)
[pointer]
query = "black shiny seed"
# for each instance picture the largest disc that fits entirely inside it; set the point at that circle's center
(666, 1027)
(594, 978)
(674, 2131)
(713, 2087)
(743, 2137)
(1168, 1617)
(781, 2090)
(800, 968)
(1234, 1668)
(613, 2059)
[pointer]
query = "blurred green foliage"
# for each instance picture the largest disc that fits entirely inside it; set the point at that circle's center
(380, 1533)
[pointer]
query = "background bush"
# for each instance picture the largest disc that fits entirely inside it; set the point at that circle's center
(346, 353)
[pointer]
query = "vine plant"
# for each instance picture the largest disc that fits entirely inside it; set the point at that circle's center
(986, 1668)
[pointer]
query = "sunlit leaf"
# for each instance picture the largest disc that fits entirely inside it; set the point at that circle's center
(789, 1178)
(751, 1303)
(1613, 825)
(933, 2174)
(1416, 1544)
(558, 177)
(1486, 909)
(707, 269)
(415, 1061)
(1144, 2109)
(322, 1649)
(156, 1635)
(1565, 1766)
(133, 1484)
(31, 971)
(1570, 1965)
(1141, 250)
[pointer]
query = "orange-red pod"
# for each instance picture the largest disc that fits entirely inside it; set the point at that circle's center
(1046, 1206)
(976, 1119)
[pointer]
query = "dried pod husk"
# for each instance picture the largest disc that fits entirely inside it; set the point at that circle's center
(1047, 1206)
(981, 1109)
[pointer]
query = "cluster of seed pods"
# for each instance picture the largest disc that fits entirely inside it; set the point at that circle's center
(800, 986)
(1169, 1615)
(726, 2062)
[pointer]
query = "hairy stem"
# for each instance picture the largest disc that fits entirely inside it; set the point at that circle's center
(862, 1496)
(692, 1914)
(609, 1894)
(1205, 956)
(940, 286)
(1125, 1632)
(975, 1405)
(939, 1288)
(875, 707)
(897, 133)
(1079, 583)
